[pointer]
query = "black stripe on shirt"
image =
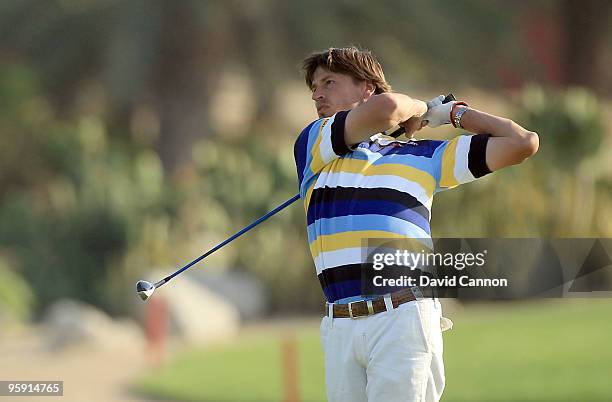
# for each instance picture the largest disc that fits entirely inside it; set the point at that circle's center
(365, 271)
(340, 273)
(331, 194)
(477, 160)
(337, 134)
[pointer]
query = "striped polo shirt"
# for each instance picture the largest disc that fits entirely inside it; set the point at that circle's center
(382, 188)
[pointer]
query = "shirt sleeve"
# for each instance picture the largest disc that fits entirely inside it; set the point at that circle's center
(460, 160)
(319, 144)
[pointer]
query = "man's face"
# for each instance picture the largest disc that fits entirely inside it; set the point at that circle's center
(333, 92)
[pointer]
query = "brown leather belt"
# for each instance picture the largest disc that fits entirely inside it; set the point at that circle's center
(370, 307)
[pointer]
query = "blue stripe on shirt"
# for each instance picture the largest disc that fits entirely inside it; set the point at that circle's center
(328, 226)
(352, 207)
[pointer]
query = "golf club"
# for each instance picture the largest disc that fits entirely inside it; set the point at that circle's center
(145, 288)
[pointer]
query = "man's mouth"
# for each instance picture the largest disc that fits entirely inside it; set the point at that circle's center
(320, 107)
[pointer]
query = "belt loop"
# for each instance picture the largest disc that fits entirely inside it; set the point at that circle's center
(330, 314)
(388, 302)
(416, 291)
(370, 307)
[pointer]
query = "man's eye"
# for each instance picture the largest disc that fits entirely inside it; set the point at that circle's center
(330, 82)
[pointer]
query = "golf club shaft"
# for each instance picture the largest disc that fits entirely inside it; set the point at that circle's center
(284, 205)
(223, 243)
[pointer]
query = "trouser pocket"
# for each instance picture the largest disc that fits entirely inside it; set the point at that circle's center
(323, 330)
(416, 318)
(425, 311)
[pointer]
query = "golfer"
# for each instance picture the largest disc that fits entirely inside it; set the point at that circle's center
(357, 183)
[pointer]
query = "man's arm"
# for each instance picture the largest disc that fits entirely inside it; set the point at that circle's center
(510, 144)
(380, 113)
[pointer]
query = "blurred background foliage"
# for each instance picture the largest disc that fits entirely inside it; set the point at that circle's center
(136, 135)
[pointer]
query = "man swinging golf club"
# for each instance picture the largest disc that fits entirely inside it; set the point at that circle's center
(357, 183)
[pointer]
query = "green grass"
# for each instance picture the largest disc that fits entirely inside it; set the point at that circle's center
(558, 350)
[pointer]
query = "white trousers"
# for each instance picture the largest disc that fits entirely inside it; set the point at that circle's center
(394, 356)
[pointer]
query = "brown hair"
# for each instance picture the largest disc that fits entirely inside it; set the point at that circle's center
(362, 65)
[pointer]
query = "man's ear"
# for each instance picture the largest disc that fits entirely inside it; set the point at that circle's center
(370, 89)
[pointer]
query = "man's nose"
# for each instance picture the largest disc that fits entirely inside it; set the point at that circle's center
(317, 95)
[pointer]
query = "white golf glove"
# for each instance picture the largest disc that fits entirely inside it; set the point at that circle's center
(438, 113)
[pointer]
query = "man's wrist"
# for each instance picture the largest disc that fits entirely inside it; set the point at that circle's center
(456, 113)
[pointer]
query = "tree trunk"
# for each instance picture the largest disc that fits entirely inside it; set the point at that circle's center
(190, 62)
(585, 25)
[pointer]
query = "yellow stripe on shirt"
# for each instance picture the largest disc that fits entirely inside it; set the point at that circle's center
(447, 178)
(308, 195)
(317, 160)
(350, 239)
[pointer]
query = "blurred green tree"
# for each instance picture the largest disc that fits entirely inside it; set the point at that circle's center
(16, 296)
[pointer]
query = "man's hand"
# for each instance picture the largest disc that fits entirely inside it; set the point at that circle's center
(438, 113)
(413, 125)
(416, 123)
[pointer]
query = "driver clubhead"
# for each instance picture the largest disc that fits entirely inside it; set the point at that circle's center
(145, 289)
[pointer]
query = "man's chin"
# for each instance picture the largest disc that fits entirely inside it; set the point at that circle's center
(325, 113)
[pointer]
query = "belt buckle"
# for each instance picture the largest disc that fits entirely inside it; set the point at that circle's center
(368, 303)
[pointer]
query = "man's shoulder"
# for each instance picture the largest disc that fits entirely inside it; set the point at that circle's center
(301, 142)
(302, 139)
(300, 147)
